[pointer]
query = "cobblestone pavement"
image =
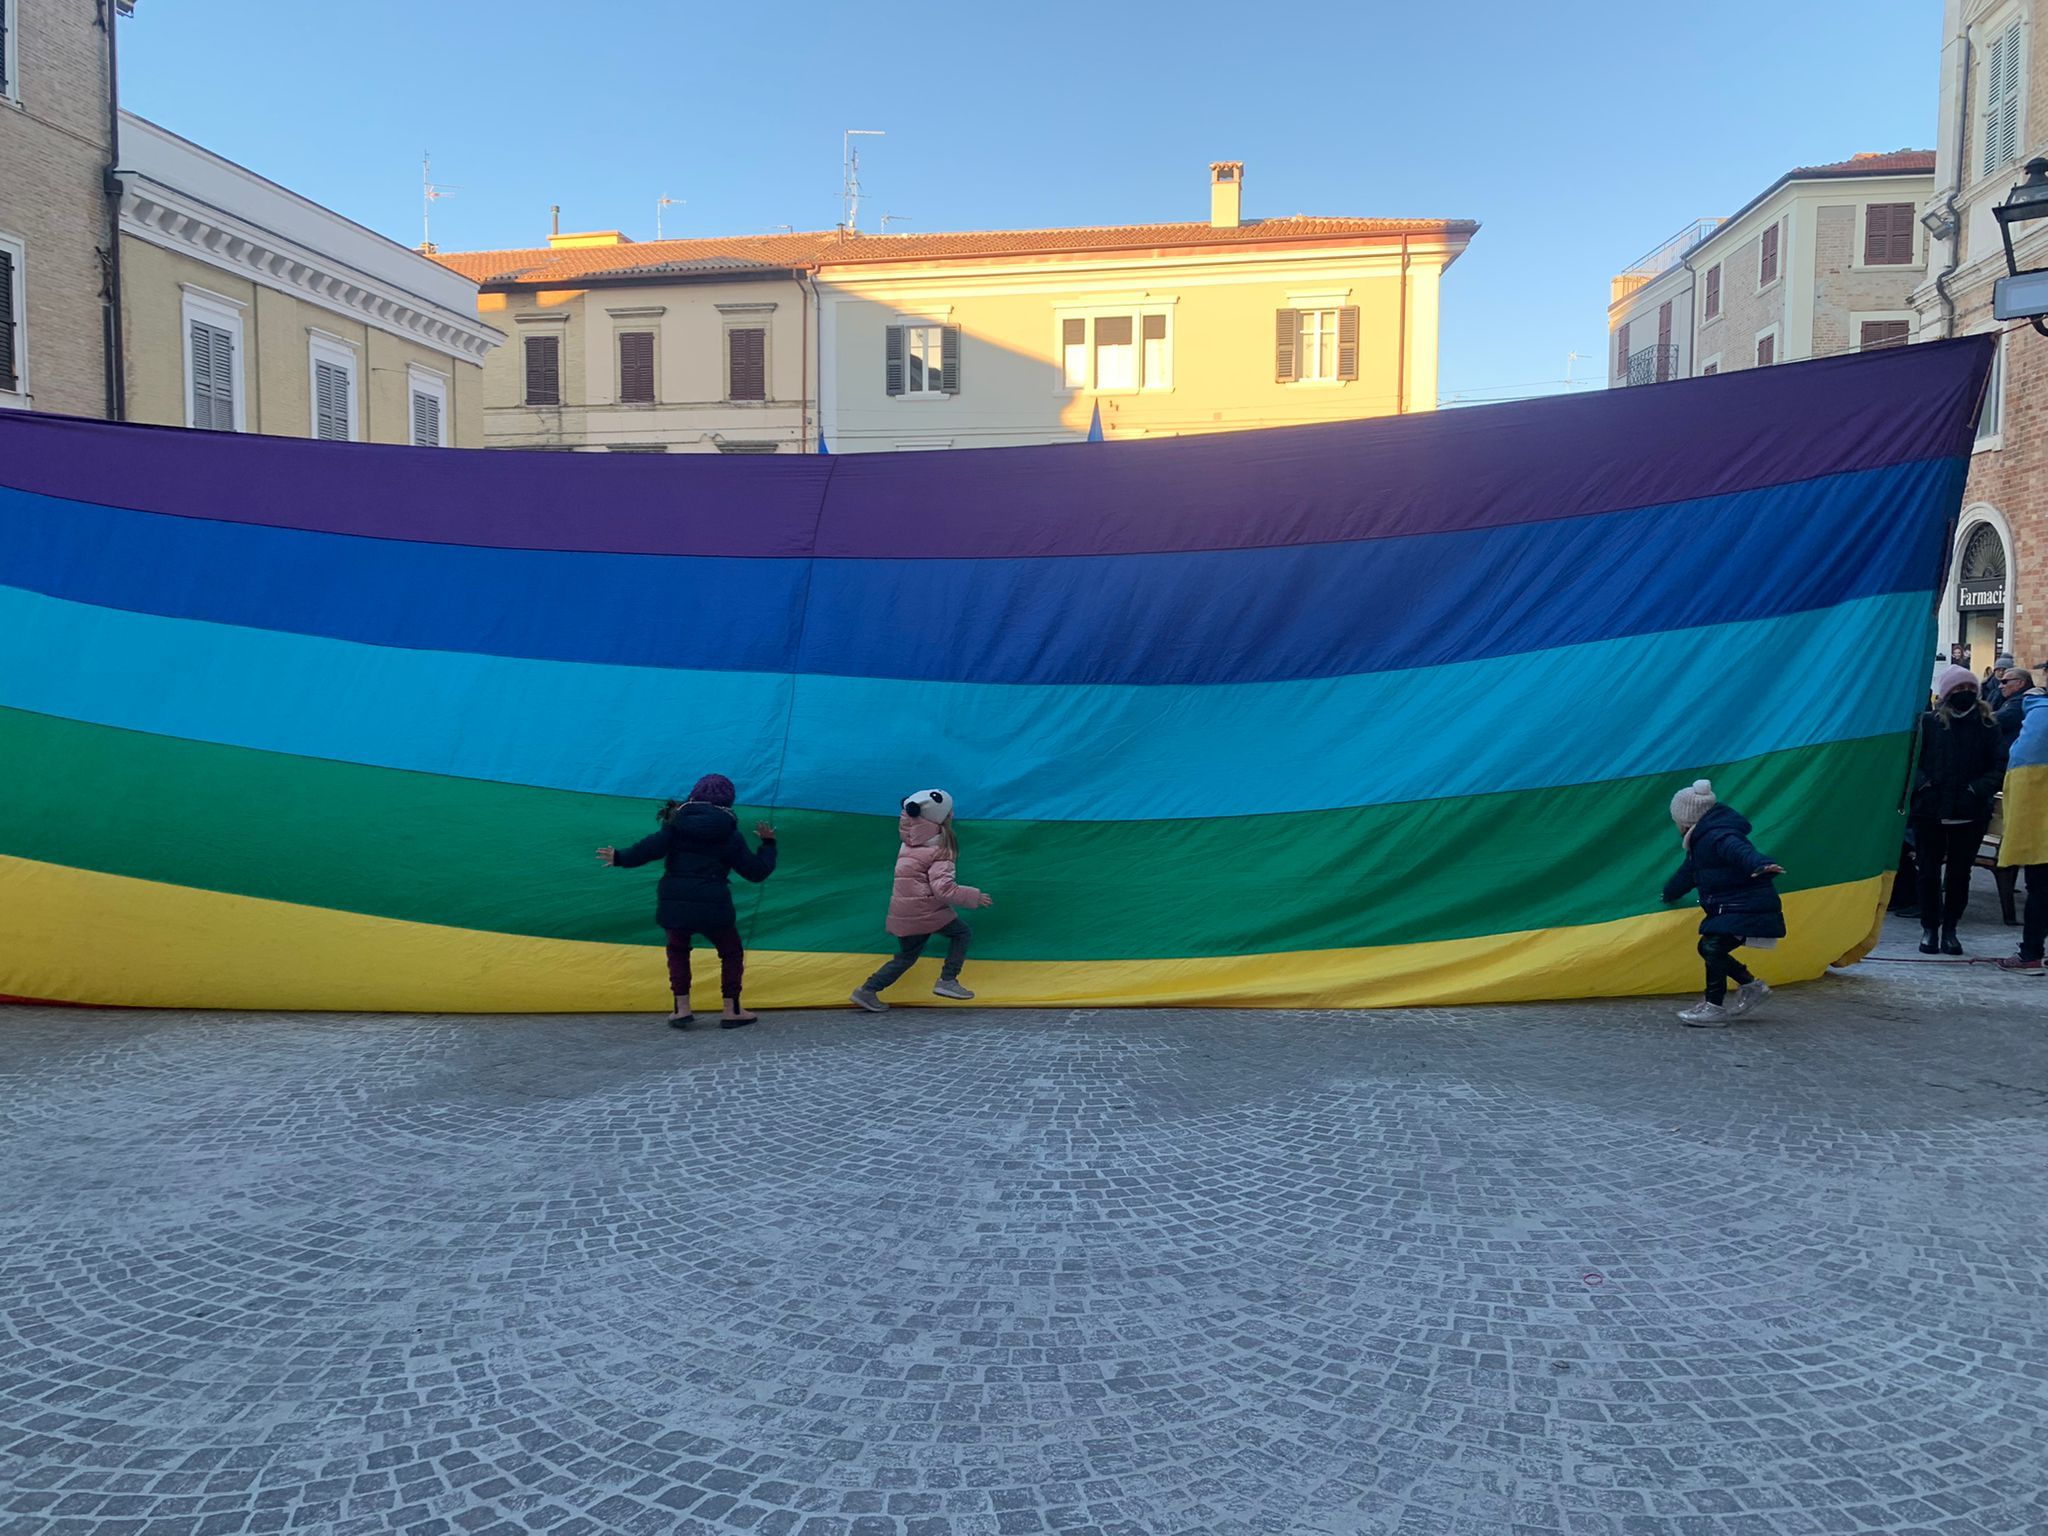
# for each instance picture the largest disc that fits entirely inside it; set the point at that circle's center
(1520, 1270)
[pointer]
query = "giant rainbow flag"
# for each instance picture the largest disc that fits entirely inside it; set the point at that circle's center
(1378, 713)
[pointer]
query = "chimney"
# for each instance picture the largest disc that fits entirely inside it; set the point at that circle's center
(1226, 194)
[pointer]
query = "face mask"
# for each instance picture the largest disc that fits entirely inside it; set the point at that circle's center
(1961, 702)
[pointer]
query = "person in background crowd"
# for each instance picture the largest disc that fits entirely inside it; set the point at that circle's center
(2025, 844)
(1959, 655)
(2005, 704)
(1960, 761)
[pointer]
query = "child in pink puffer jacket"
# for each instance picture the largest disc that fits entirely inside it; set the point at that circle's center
(923, 900)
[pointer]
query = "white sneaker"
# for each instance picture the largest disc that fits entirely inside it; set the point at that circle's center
(947, 987)
(1705, 1015)
(863, 998)
(1749, 997)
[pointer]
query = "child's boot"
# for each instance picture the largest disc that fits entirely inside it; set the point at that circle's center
(1950, 944)
(735, 1016)
(681, 1018)
(1930, 942)
(1705, 1015)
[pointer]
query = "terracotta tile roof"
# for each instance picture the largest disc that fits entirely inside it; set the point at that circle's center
(827, 248)
(1897, 162)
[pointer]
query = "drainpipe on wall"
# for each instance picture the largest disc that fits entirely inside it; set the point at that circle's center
(116, 370)
(1955, 192)
(1401, 341)
(810, 291)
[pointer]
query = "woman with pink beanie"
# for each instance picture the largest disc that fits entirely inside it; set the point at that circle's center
(922, 901)
(1960, 762)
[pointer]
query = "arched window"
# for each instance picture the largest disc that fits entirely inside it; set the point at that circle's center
(1983, 556)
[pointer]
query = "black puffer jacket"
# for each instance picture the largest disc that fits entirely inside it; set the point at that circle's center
(1735, 893)
(1960, 766)
(701, 848)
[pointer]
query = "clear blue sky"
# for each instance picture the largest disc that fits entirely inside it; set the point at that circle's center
(1579, 134)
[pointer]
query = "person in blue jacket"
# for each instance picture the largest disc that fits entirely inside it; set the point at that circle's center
(1737, 894)
(701, 848)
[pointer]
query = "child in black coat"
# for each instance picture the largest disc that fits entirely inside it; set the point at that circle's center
(1737, 895)
(701, 848)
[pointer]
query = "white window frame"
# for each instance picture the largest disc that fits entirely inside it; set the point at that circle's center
(217, 309)
(1783, 224)
(1776, 331)
(1857, 317)
(1713, 362)
(18, 398)
(934, 377)
(1325, 343)
(1136, 311)
(1994, 406)
(326, 347)
(10, 65)
(425, 381)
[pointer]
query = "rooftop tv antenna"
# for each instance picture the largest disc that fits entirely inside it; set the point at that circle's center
(665, 201)
(900, 218)
(431, 192)
(849, 171)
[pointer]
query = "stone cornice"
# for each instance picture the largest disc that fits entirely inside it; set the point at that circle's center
(164, 216)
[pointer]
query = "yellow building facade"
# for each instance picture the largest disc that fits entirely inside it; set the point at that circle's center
(248, 308)
(902, 342)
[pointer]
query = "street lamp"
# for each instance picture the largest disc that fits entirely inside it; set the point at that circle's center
(2022, 295)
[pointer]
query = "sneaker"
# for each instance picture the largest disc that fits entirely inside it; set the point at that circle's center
(2022, 964)
(865, 998)
(1705, 1015)
(948, 987)
(1749, 997)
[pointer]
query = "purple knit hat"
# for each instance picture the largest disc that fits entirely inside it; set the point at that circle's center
(714, 789)
(1952, 678)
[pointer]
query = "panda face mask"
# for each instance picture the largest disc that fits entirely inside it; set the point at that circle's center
(932, 805)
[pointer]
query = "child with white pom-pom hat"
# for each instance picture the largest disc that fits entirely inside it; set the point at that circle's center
(1737, 894)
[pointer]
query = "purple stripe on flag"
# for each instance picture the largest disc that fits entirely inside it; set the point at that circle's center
(1490, 467)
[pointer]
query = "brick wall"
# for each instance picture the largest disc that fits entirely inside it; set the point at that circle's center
(2014, 479)
(1744, 311)
(53, 150)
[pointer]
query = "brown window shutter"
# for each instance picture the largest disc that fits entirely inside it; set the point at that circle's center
(1710, 370)
(1663, 341)
(1766, 351)
(1621, 352)
(747, 348)
(543, 370)
(1286, 345)
(1767, 259)
(1714, 291)
(1888, 235)
(1347, 342)
(10, 376)
(949, 364)
(892, 361)
(636, 367)
(1872, 334)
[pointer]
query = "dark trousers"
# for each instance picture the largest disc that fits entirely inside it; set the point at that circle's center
(1718, 950)
(2034, 921)
(910, 945)
(1946, 856)
(732, 961)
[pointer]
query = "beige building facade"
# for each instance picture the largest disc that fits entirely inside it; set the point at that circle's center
(1823, 261)
(859, 343)
(248, 308)
(56, 220)
(1993, 117)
